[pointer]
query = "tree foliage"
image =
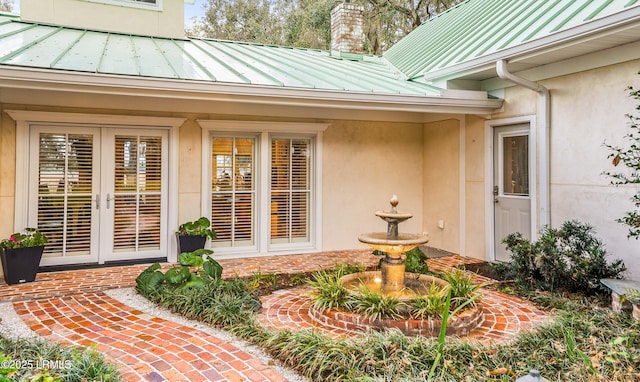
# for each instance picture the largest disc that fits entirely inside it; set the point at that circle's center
(307, 23)
(6, 5)
(629, 157)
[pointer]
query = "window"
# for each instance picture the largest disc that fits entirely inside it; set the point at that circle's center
(262, 186)
(233, 190)
(290, 190)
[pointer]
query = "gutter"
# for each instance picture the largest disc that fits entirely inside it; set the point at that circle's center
(543, 127)
(39, 79)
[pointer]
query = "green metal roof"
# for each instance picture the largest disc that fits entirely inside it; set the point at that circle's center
(32, 45)
(477, 28)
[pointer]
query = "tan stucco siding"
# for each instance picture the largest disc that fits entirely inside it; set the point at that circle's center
(7, 173)
(587, 110)
(190, 172)
(165, 22)
(441, 196)
(474, 196)
(364, 164)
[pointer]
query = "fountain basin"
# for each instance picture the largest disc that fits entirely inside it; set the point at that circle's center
(414, 283)
(393, 246)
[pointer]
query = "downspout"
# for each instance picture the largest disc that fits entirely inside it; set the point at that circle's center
(544, 118)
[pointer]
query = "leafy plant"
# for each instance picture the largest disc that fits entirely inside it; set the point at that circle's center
(30, 238)
(629, 157)
(569, 258)
(461, 285)
(375, 305)
(195, 258)
(152, 281)
(429, 305)
(632, 295)
(75, 364)
(328, 292)
(200, 227)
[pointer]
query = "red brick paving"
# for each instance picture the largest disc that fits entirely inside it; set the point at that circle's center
(69, 307)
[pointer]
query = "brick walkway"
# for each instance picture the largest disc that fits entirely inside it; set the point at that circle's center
(70, 307)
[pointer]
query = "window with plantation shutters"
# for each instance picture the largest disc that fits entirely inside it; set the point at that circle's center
(65, 186)
(233, 191)
(261, 188)
(137, 193)
(290, 190)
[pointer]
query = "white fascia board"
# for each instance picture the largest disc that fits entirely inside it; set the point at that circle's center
(611, 56)
(42, 79)
(603, 27)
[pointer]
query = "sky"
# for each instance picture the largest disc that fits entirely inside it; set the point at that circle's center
(190, 10)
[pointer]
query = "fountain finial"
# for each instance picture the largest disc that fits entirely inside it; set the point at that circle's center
(394, 203)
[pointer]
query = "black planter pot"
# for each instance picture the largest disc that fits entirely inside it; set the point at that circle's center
(20, 265)
(190, 243)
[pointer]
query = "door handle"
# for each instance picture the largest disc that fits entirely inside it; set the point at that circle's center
(109, 199)
(97, 201)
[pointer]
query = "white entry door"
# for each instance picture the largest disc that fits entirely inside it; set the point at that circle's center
(511, 187)
(99, 194)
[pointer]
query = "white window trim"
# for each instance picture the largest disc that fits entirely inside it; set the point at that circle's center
(263, 132)
(131, 4)
(489, 176)
(25, 118)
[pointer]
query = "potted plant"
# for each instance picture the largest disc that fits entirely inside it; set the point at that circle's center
(21, 254)
(193, 235)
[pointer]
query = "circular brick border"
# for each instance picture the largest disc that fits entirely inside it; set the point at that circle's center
(459, 325)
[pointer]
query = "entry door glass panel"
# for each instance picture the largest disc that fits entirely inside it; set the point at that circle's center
(290, 190)
(137, 193)
(512, 201)
(233, 191)
(66, 185)
(516, 165)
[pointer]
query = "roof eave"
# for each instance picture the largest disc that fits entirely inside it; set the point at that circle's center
(42, 79)
(599, 28)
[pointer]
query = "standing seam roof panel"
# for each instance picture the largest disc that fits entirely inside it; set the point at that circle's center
(63, 49)
(85, 54)
(187, 69)
(415, 57)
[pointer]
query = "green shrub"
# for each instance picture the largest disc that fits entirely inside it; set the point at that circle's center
(569, 258)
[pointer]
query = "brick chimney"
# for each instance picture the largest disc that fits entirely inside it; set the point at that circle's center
(347, 34)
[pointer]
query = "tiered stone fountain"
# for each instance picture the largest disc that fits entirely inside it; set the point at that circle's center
(392, 280)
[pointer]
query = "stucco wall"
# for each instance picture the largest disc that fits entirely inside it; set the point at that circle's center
(365, 163)
(167, 22)
(587, 110)
(7, 174)
(474, 196)
(441, 196)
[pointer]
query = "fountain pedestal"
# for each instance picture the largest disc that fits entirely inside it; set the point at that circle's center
(393, 270)
(393, 244)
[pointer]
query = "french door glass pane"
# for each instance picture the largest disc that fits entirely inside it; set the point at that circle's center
(290, 190)
(65, 184)
(233, 191)
(516, 165)
(136, 199)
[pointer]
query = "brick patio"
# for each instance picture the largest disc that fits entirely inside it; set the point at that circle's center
(70, 307)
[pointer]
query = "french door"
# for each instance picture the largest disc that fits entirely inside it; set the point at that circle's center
(99, 193)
